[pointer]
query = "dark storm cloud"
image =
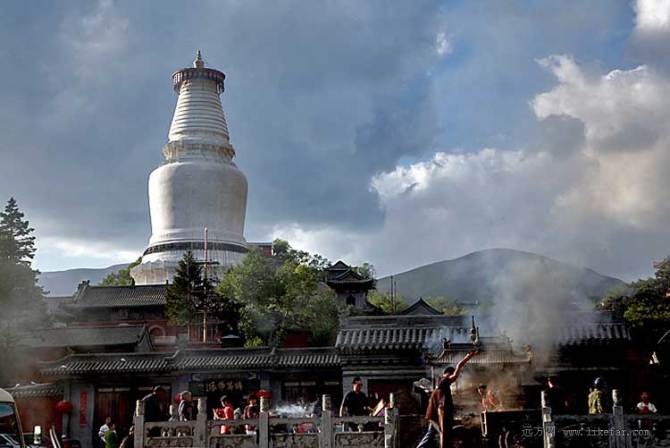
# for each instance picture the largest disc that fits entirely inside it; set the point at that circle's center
(319, 97)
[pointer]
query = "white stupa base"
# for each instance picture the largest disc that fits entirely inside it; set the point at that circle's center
(160, 268)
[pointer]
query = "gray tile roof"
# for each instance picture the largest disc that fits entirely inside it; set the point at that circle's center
(486, 357)
(399, 332)
(414, 332)
(420, 308)
(592, 333)
(119, 296)
(84, 336)
(235, 359)
(36, 390)
(193, 360)
(108, 363)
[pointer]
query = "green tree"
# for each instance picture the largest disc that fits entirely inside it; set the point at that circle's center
(387, 303)
(192, 297)
(17, 243)
(365, 270)
(121, 277)
(283, 251)
(186, 292)
(445, 305)
(279, 297)
(644, 303)
(21, 299)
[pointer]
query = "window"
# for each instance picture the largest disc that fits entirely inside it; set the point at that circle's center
(9, 426)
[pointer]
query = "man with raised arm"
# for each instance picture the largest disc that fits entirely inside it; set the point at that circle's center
(440, 412)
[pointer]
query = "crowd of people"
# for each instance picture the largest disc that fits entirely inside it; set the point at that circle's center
(439, 414)
(598, 400)
(109, 437)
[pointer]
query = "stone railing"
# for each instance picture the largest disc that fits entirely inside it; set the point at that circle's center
(278, 432)
(615, 430)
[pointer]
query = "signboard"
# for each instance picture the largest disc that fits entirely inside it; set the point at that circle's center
(83, 407)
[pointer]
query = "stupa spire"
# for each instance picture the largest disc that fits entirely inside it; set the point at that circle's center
(198, 62)
(199, 116)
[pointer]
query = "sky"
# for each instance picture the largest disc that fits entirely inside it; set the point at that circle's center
(395, 133)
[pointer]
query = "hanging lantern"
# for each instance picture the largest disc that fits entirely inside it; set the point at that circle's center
(264, 394)
(64, 406)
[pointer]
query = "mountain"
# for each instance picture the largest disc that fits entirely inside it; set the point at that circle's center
(64, 283)
(488, 274)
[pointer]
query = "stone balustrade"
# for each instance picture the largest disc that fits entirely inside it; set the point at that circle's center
(326, 431)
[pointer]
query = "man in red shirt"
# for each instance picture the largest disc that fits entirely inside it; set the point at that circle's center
(440, 412)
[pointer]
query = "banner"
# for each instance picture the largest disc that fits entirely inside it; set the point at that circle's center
(83, 407)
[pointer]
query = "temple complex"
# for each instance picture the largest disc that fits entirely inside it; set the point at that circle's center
(115, 343)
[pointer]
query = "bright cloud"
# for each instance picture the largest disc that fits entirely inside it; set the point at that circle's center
(604, 195)
(653, 15)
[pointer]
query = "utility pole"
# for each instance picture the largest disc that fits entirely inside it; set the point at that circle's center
(393, 294)
(204, 310)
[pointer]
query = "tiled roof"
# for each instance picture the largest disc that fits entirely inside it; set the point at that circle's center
(486, 357)
(119, 296)
(301, 358)
(108, 363)
(84, 336)
(420, 308)
(592, 333)
(193, 360)
(36, 390)
(416, 332)
(399, 332)
(235, 359)
(340, 273)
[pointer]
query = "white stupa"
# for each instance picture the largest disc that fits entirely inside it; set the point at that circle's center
(198, 186)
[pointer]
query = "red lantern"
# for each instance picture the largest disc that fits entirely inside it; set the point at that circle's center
(177, 398)
(64, 406)
(264, 394)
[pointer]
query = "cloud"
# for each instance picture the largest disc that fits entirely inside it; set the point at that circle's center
(652, 15)
(651, 35)
(597, 191)
(443, 44)
(79, 248)
(392, 133)
(622, 110)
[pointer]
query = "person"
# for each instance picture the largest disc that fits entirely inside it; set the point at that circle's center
(645, 406)
(555, 396)
(153, 409)
(354, 403)
(440, 412)
(595, 399)
(103, 429)
(251, 411)
(489, 400)
(129, 440)
(111, 438)
(186, 410)
(226, 412)
(153, 405)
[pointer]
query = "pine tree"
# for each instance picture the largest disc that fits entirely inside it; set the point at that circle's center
(21, 300)
(186, 292)
(17, 244)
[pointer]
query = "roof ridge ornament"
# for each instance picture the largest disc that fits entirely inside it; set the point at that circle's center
(198, 62)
